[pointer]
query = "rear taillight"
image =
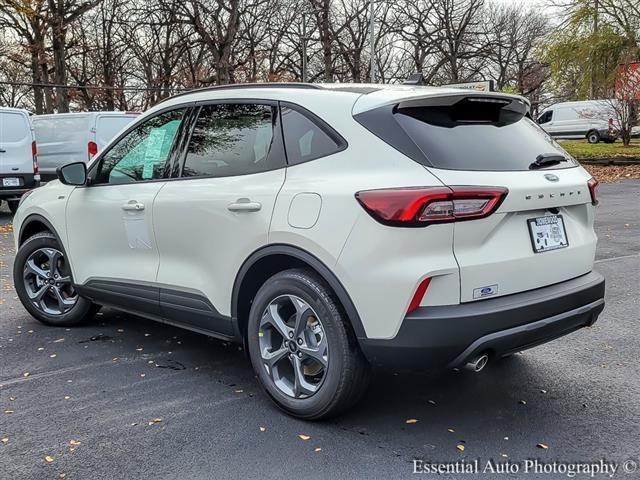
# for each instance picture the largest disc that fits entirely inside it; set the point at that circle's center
(92, 147)
(34, 156)
(593, 190)
(422, 206)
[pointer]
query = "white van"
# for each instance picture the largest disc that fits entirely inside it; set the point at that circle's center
(18, 160)
(590, 119)
(75, 137)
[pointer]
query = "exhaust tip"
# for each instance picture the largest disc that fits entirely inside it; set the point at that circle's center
(477, 364)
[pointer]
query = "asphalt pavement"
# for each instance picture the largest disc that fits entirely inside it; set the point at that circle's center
(123, 397)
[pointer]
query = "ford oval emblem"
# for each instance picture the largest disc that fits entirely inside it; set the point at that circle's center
(551, 177)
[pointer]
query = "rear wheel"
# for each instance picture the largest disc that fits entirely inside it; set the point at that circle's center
(44, 284)
(593, 136)
(13, 205)
(302, 349)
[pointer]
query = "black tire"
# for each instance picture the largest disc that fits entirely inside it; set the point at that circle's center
(347, 372)
(80, 311)
(593, 136)
(13, 205)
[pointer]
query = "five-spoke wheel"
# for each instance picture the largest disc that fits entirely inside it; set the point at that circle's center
(47, 281)
(293, 346)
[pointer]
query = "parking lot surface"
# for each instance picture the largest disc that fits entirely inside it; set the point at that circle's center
(123, 397)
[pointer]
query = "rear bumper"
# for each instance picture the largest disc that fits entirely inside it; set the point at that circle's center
(28, 181)
(452, 335)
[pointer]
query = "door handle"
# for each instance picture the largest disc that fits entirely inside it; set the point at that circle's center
(244, 205)
(133, 206)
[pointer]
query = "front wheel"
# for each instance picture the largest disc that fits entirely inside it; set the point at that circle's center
(302, 348)
(44, 284)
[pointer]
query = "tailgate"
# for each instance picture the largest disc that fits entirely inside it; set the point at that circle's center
(496, 255)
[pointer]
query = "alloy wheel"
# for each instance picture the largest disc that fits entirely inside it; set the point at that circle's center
(293, 346)
(47, 281)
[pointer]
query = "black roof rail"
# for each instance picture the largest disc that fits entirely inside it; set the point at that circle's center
(231, 86)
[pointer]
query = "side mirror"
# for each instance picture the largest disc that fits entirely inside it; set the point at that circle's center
(73, 174)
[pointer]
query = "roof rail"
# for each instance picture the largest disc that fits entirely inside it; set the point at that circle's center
(247, 85)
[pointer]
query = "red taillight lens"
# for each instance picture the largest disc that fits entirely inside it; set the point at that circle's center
(93, 149)
(593, 190)
(34, 156)
(421, 206)
(417, 297)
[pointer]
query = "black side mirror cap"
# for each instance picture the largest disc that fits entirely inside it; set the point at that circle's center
(73, 174)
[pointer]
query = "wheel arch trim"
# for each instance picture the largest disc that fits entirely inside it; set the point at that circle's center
(36, 217)
(312, 261)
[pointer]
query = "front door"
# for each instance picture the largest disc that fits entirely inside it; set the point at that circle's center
(110, 222)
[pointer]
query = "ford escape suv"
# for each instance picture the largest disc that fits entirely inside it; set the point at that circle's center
(328, 228)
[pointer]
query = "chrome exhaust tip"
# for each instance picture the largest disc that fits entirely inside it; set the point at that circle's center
(478, 363)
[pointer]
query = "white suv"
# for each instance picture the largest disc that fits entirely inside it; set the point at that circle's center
(328, 228)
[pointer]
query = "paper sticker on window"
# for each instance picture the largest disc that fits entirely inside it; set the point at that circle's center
(137, 232)
(153, 152)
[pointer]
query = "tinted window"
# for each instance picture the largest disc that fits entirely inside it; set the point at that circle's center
(304, 139)
(233, 139)
(143, 153)
(470, 141)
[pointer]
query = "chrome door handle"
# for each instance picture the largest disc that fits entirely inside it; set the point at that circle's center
(244, 205)
(133, 206)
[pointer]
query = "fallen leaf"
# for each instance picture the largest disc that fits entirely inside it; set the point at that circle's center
(542, 445)
(40, 349)
(8, 412)
(53, 355)
(522, 402)
(147, 334)
(25, 374)
(48, 459)
(304, 437)
(411, 420)
(12, 398)
(4, 440)
(58, 340)
(239, 391)
(451, 430)
(262, 429)
(62, 475)
(432, 402)
(138, 349)
(317, 449)
(143, 375)
(543, 391)
(504, 455)
(120, 330)
(67, 397)
(155, 420)
(74, 442)
(460, 447)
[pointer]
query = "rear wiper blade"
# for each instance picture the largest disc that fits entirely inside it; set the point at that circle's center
(546, 160)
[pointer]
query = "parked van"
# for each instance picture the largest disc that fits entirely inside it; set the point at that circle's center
(590, 119)
(18, 160)
(75, 137)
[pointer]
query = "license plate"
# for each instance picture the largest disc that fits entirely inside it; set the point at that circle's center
(10, 182)
(547, 233)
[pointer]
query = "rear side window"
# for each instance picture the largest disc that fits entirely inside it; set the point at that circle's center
(233, 139)
(304, 139)
(13, 127)
(545, 117)
(476, 134)
(107, 127)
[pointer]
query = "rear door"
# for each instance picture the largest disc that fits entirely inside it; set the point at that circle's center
(15, 143)
(61, 139)
(108, 125)
(542, 233)
(218, 212)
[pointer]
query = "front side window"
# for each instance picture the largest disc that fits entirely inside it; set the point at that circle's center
(143, 153)
(233, 139)
(545, 117)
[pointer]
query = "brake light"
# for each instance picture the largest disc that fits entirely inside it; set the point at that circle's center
(422, 206)
(417, 297)
(593, 190)
(93, 149)
(34, 156)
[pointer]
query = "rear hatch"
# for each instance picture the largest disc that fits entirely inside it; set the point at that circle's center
(542, 232)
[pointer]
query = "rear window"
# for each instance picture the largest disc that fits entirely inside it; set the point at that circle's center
(13, 127)
(481, 135)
